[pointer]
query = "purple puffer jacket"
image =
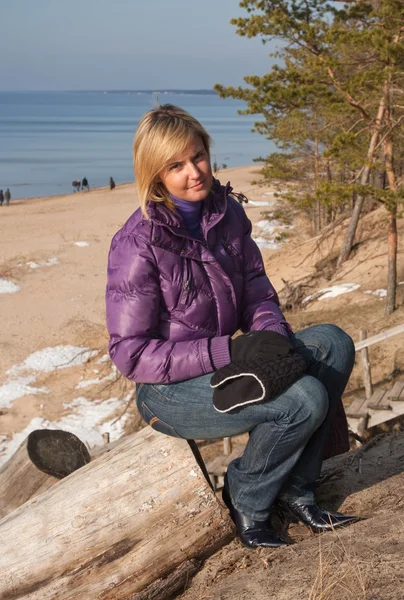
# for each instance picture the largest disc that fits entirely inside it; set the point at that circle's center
(173, 301)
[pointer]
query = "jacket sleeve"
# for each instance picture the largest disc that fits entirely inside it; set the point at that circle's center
(260, 309)
(133, 300)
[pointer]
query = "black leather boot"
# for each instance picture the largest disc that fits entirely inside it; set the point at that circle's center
(253, 534)
(314, 517)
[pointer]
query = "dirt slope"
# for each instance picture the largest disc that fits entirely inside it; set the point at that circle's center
(362, 562)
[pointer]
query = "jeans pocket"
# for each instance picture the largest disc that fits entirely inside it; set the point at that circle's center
(156, 423)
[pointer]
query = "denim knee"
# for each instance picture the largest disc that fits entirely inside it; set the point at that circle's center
(337, 337)
(312, 401)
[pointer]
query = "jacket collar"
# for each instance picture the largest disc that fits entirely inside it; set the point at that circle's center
(214, 208)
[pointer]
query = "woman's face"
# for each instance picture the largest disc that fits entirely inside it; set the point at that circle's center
(189, 175)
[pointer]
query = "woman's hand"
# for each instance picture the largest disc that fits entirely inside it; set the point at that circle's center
(264, 364)
(259, 345)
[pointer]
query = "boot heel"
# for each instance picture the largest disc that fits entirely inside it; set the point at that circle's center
(253, 534)
(285, 515)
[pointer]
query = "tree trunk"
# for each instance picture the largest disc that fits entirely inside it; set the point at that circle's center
(135, 521)
(392, 231)
(364, 180)
(317, 219)
(330, 209)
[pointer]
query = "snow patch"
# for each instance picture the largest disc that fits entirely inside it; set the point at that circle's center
(263, 243)
(87, 382)
(20, 377)
(52, 358)
(259, 203)
(17, 388)
(81, 244)
(104, 358)
(380, 293)
(8, 287)
(268, 226)
(332, 292)
(45, 263)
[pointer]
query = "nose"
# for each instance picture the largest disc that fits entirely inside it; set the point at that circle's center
(193, 171)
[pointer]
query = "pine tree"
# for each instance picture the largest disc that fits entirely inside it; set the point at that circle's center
(340, 82)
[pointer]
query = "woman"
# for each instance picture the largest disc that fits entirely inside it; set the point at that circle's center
(183, 276)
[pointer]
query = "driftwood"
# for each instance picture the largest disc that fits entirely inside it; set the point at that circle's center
(20, 480)
(134, 523)
(343, 476)
(367, 375)
(21, 477)
(43, 458)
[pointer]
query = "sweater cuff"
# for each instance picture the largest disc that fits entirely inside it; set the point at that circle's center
(220, 351)
(282, 329)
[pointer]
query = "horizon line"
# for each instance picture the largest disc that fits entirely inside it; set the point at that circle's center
(118, 90)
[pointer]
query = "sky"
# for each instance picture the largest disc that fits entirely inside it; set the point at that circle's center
(124, 44)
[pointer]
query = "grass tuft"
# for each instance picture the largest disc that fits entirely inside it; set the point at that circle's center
(340, 574)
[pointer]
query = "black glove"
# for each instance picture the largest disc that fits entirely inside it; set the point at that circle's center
(259, 345)
(240, 383)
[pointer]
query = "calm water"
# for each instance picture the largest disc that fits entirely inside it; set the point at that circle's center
(50, 138)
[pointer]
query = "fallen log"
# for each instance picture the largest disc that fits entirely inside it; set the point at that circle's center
(134, 523)
(44, 457)
(20, 480)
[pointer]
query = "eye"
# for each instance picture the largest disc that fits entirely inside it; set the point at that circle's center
(174, 166)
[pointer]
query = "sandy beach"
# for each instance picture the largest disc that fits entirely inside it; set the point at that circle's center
(52, 284)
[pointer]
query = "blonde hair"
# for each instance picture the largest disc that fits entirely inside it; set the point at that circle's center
(162, 134)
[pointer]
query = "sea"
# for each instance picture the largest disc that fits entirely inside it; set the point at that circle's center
(48, 139)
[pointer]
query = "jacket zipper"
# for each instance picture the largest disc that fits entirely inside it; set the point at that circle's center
(187, 284)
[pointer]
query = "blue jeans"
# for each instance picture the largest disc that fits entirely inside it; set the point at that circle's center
(288, 434)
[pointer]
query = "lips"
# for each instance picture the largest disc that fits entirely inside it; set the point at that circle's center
(197, 186)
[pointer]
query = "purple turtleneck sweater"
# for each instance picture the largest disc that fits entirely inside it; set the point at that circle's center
(191, 213)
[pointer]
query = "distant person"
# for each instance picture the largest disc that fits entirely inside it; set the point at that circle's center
(1, 197)
(84, 184)
(111, 183)
(7, 196)
(76, 185)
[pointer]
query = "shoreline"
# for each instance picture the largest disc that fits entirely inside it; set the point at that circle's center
(55, 196)
(120, 186)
